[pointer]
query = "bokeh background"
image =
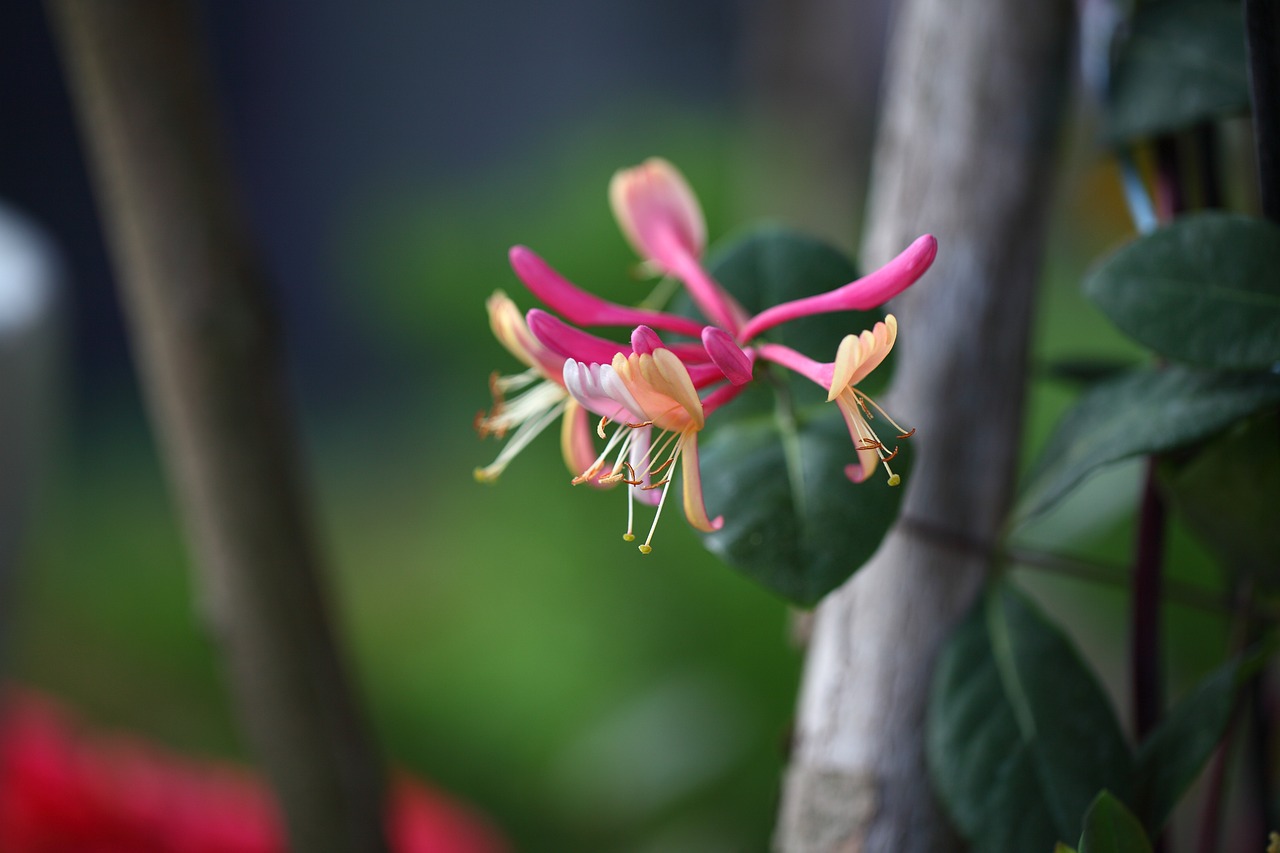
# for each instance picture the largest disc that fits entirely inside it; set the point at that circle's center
(511, 648)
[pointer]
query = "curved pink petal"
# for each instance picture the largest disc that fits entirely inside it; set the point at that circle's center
(645, 340)
(658, 211)
(584, 308)
(569, 342)
(814, 371)
(869, 291)
(708, 294)
(727, 355)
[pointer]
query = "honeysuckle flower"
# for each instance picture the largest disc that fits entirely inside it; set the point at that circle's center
(658, 395)
(646, 390)
(856, 357)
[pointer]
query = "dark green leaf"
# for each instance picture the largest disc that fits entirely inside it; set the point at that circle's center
(1145, 411)
(1204, 290)
(801, 530)
(1228, 495)
(1109, 827)
(1172, 756)
(1020, 735)
(1183, 62)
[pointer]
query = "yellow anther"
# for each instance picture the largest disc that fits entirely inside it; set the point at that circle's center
(894, 479)
(645, 549)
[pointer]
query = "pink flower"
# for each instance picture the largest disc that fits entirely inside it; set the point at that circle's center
(63, 790)
(645, 385)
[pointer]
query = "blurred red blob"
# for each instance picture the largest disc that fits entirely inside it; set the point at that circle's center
(66, 791)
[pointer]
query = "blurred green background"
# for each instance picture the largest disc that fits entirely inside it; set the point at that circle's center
(511, 647)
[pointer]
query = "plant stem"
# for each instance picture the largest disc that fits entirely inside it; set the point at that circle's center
(206, 341)
(1262, 33)
(1148, 566)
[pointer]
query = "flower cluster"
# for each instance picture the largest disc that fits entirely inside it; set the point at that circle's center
(658, 395)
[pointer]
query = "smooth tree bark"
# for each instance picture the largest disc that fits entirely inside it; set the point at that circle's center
(206, 342)
(973, 104)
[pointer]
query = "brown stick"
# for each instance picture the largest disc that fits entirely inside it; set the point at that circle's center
(205, 339)
(972, 108)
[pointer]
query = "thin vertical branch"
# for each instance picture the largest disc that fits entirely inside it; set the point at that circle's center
(205, 340)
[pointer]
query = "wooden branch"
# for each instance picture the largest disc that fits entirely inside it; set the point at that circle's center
(205, 340)
(972, 109)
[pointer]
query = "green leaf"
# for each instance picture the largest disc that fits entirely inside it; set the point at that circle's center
(1183, 63)
(1172, 756)
(1020, 735)
(799, 528)
(773, 461)
(1145, 411)
(1109, 827)
(1204, 290)
(1228, 494)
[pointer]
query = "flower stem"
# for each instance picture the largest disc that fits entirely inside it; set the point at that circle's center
(784, 413)
(1145, 607)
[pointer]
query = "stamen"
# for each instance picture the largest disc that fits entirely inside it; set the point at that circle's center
(646, 547)
(902, 431)
(604, 421)
(654, 485)
(525, 433)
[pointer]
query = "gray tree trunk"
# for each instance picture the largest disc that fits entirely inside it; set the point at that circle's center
(973, 104)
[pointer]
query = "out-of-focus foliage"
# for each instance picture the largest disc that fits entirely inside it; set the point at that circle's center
(1147, 410)
(1204, 290)
(1181, 62)
(1021, 737)
(1109, 827)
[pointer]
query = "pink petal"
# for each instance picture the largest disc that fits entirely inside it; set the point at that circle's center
(584, 308)
(727, 355)
(658, 212)
(815, 371)
(869, 291)
(645, 340)
(568, 342)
